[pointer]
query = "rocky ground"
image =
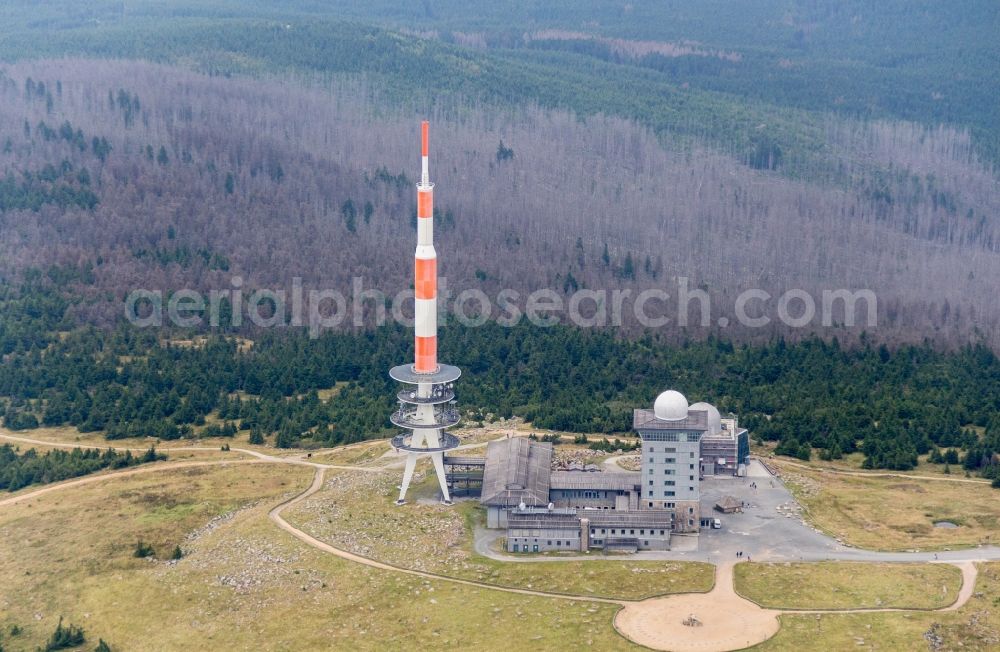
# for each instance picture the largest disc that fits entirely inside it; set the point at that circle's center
(576, 459)
(355, 511)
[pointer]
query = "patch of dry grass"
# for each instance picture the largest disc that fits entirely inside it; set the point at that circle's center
(361, 454)
(58, 546)
(848, 585)
(976, 626)
(893, 513)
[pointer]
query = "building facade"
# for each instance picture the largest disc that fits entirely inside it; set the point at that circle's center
(671, 451)
(725, 451)
(544, 510)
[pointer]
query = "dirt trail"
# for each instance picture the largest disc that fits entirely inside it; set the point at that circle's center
(297, 459)
(882, 474)
(317, 484)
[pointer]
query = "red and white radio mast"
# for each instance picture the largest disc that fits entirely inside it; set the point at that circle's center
(428, 409)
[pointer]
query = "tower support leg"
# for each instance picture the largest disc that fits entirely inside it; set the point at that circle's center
(433, 441)
(442, 480)
(411, 463)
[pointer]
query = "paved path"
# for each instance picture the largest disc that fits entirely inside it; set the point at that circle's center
(969, 573)
(727, 621)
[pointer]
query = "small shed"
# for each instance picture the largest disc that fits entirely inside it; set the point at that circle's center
(728, 505)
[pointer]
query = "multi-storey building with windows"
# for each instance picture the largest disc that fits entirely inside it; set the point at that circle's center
(671, 451)
(545, 510)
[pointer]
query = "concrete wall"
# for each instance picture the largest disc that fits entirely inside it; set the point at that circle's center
(687, 516)
(496, 517)
(601, 499)
(671, 474)
(543, 540)
(648, 539)
(670, 469)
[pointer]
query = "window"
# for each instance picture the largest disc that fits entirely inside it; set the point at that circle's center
(650, 483)
(641, 532)
(669, 483)
(602, 531)
(691, 488)
(690, 510)
(650, 470)
(631, 531)
(691, 466)
(669, 460)
(651, 504)
(668, 493)
(558, 543)
(661, 533)
(650, 460)
(668, 471)
(649, 494)
(548, 543)
(692, 454)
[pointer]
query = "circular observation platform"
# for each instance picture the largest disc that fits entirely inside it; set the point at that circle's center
(445, 418)
(402, 442)
(410, 396)
(405, 373)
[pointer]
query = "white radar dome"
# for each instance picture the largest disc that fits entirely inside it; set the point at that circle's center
(670, 406)
(714, 418)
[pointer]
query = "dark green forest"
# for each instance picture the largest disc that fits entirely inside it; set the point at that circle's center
(19, 470)
(890, 404)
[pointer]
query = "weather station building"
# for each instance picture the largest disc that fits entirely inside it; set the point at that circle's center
(544, 510)
(671, 449)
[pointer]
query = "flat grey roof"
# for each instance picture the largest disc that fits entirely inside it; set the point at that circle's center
(618, 518)
(541, 520)
(724, 435)
(646, 420)
(517, 470)
(622, 481)
(458, 460)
